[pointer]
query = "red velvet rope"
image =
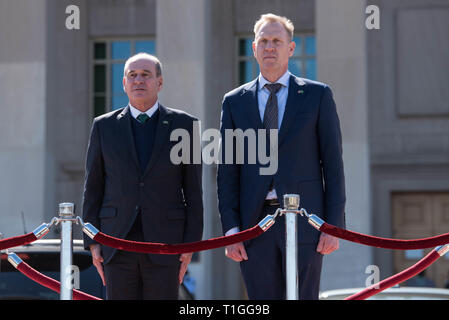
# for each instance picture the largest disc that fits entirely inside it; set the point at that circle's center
(17, 241)
(397, 278)
(50, 283)
(385, 242)
(161, 248)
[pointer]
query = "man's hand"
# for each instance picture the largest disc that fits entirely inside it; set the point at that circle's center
(185, 259)
(97, 260)
(327, 244)
(236, 252)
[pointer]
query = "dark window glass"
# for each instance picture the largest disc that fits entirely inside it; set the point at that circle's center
(99, 106)
(301, 64)
(109, 61)
(100, 50)
(100, 78)
(245, 47)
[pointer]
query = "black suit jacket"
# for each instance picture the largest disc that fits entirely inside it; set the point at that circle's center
(309, 158)
(169, 196)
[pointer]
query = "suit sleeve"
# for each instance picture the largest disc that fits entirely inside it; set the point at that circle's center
(331, 152)
(228, 176)
(192, 188)
(93, 182)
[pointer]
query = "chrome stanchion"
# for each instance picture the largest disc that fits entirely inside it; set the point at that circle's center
(1, 237)
(66, 218)
(291, 205)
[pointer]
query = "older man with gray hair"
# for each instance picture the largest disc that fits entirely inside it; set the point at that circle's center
(134, 191)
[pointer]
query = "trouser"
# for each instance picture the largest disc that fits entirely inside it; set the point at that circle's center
(132, 276)
(264, 271)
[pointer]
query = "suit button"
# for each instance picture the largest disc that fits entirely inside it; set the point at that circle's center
(142, 184)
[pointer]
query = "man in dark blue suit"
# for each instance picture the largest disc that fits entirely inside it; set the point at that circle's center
(309, 163)
(133, 190)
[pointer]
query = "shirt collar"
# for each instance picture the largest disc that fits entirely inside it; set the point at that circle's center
(282, 80)
(135, 112)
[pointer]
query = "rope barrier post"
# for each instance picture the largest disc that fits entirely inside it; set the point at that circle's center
(1, 237)
(66, 217)
(291, 205)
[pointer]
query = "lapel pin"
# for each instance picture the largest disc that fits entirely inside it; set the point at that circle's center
(165, 122)
(300, 91)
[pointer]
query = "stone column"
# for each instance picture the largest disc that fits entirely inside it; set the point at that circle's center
(23, 120)
(180, 43)
(341, 61)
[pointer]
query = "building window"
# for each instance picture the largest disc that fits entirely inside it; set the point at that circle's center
(109, 57)
(301, 64)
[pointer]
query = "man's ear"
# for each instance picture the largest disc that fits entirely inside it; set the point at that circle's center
(160, 83)
(292, 46)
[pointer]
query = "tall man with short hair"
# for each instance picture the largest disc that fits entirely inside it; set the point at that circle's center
(134, 191)
(309, 154)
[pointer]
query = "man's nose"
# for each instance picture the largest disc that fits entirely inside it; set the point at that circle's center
(138, 78)
(269, 46)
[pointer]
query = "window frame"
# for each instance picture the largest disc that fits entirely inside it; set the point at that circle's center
(108, 62)
(302, 56)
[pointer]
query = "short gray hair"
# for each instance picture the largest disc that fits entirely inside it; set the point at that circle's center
(270, 17)
(144, 55)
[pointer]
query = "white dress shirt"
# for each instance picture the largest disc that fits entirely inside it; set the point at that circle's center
(136, 112)
(263, 94)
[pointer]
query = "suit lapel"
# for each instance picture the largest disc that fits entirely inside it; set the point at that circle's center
(251, 104)
(162, 129)
(297, 91)
(124, 119)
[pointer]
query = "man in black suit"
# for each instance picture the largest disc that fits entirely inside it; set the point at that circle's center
(309, 163)
(133, 190)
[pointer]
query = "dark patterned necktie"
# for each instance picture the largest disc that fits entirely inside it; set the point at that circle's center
(142, 118)
(270, 117)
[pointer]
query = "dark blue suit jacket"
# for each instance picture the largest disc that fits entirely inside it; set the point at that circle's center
(309, 158)
(168, 196)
